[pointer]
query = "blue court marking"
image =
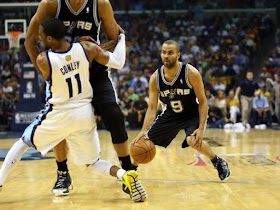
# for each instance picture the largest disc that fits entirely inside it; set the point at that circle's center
(31, 154)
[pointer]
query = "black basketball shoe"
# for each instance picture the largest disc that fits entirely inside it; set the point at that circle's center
(222, 168)
(62, 184)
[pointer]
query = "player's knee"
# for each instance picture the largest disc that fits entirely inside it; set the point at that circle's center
(114, 122)
(101, 167)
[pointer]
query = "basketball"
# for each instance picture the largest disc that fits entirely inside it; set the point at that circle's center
(143, 151)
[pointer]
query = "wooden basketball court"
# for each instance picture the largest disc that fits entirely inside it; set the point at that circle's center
(176, 179)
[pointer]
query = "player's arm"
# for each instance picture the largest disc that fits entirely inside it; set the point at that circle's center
(114, 60)
(43, 65)
(196, 82)
(45, 10)
(153, 105)
(110, 26)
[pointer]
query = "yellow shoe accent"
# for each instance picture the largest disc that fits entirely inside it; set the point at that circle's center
(131, 182)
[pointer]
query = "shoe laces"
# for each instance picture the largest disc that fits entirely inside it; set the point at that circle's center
(61, 179)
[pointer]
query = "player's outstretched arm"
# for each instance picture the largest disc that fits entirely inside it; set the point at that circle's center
(110, 26)
(114, 60)
(45, 10)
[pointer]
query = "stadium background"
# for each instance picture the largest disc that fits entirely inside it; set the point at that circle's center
(223, 39)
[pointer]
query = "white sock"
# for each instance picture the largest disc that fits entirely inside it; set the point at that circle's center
(14, 155)
(120, 173)
(101, 167)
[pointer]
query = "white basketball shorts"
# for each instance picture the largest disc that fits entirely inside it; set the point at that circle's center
(76, 125)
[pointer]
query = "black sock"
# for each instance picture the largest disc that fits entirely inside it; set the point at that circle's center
(215, 159)
(185, 144)
(62, 166)
(134, 167)
(125, 162)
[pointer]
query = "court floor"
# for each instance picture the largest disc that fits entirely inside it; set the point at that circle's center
(176, 179)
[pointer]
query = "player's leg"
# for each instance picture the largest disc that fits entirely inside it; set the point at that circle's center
(84, 149)
(14, 155)
(114, 122)
(63, 181)
(205, 149)
(105, 104)
(129, 178)
(163, 130)
(38, 137)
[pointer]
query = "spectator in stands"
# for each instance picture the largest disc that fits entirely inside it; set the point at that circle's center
(139, 83)
(246, 89)
(221, 102)
(6, 111)
(136, 117)
(219, 85)
(210, 98)
(132, 95)
(6, 72)
(232, 106)
(261, 113)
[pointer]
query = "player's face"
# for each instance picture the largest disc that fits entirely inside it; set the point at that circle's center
(169, 55)
(43, 37)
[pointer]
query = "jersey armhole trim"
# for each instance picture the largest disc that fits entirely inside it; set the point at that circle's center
(50, 65)
(84, 52)
(186, 76)
(157, 79)
(95, 14)
(58, 8)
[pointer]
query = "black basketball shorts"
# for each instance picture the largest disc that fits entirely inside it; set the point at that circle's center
(167, 126)
(105, 103)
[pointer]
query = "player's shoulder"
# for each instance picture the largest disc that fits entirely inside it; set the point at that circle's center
(49, 2)
(192, 71)
(103, 3)
(47, 8)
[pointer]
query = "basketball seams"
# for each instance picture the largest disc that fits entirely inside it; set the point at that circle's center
(143, 151)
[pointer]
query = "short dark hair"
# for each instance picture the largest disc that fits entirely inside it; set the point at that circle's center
(54, 27)
(172, 42)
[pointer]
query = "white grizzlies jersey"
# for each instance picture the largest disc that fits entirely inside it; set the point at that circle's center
(68, 85)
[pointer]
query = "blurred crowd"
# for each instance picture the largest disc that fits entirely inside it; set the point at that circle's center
(222, 47)
(180, 4)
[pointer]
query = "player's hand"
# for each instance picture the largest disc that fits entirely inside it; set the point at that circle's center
(87, 38)
(142, 134)
(198, 136)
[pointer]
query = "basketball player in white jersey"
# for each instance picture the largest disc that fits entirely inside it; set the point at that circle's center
(84, 18)
(68, 113)
(180, 88)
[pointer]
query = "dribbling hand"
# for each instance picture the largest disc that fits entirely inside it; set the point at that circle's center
(142, 134)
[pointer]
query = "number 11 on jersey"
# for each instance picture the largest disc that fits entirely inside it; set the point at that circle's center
(70, 86)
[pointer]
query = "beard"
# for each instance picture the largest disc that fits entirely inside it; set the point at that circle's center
(169, 64)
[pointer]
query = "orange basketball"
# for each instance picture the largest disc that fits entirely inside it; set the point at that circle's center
(143, 151)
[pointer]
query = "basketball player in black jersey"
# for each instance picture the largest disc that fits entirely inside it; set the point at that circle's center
(180, 89)
(84, 18)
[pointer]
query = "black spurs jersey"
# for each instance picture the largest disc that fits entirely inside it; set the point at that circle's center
(178, 96)
(84, 22)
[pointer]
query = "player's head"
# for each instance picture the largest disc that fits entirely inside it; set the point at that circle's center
(51, 30)
(170, 53)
